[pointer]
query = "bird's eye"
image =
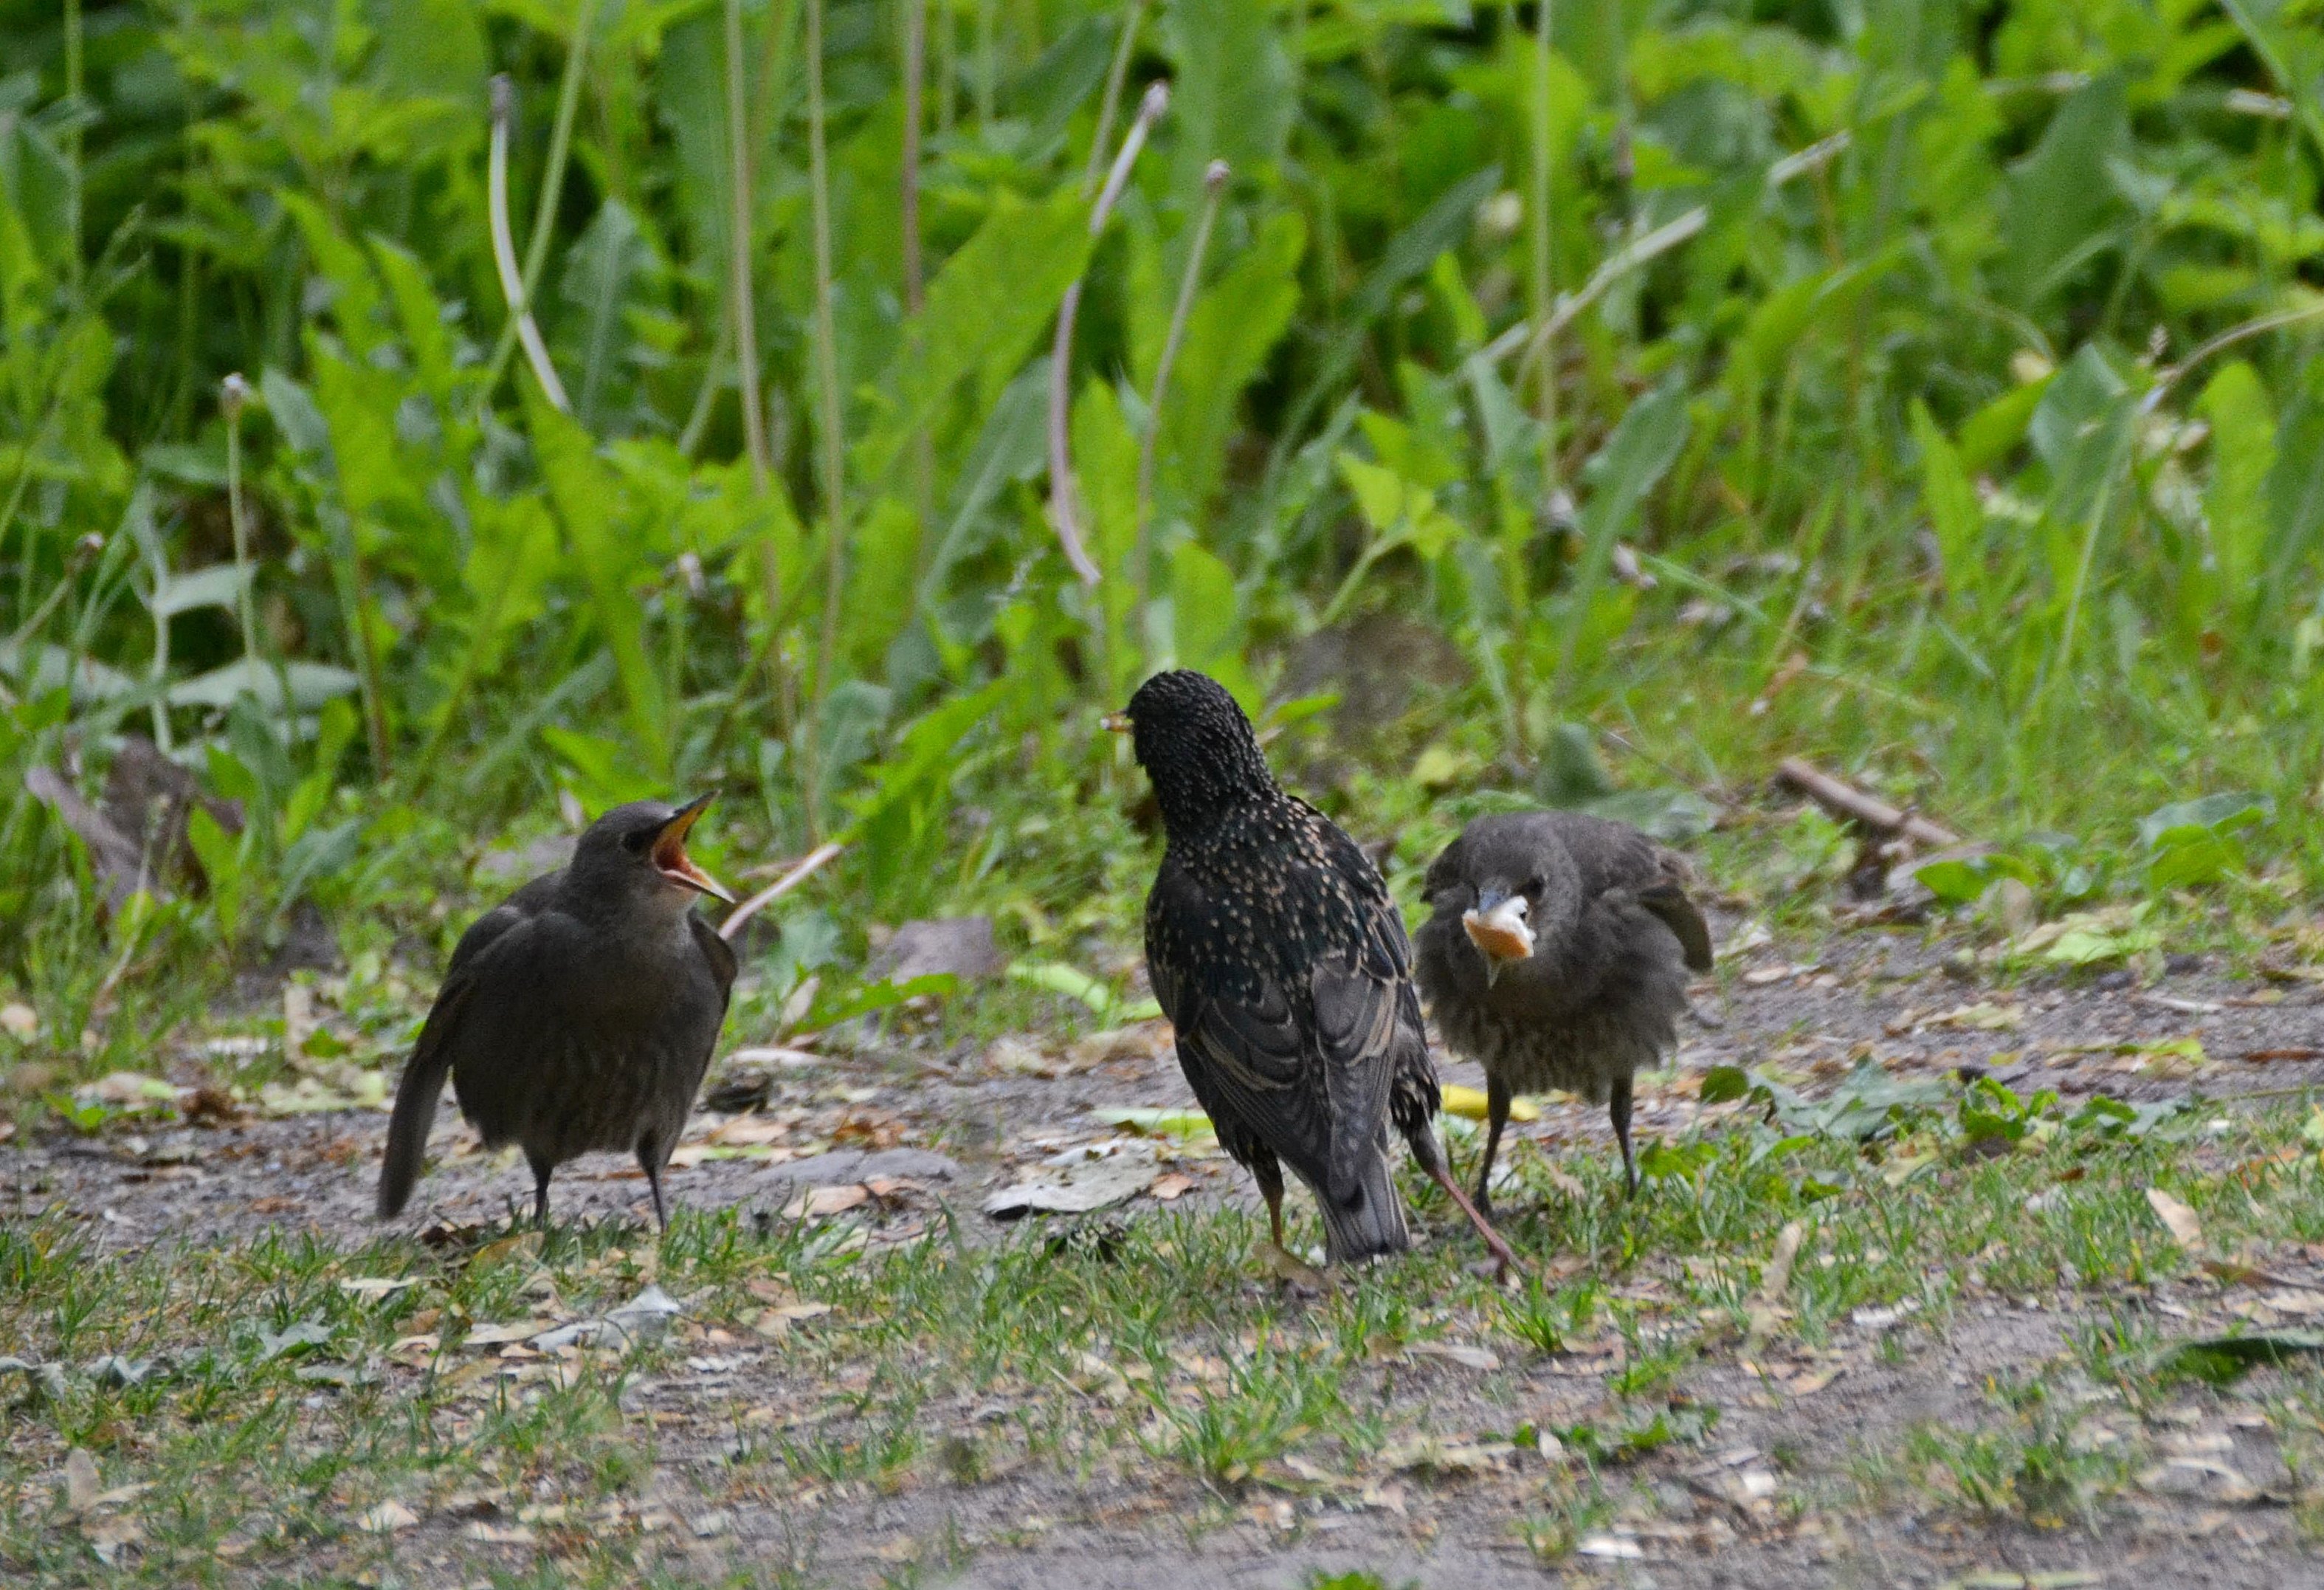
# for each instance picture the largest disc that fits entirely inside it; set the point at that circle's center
(636, 841)
(1535, 885)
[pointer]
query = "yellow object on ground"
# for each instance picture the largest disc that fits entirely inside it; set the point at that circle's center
(1469, 1103)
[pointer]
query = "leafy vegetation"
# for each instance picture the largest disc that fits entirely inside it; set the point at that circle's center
(1932, 387)
(427, 422)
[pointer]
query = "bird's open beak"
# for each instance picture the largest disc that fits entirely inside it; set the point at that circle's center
(1500, 932)
(670, 857)
(1119, 722)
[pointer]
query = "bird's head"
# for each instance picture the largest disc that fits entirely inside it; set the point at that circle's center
(1195, 744)
(638, 852)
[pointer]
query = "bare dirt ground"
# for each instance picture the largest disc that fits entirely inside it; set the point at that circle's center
(890, 1136)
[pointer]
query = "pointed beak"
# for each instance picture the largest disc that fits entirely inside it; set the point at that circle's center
(1499, 931)
(1119, 722)
(670, 857)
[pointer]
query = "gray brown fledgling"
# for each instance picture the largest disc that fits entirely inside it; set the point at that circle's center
(1557, 957)
(579, 1013)
(1276, 952)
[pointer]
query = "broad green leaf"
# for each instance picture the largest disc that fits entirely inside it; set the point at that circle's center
(1234, 327)
(986, 311)
(1207, 621)
(1954, 512)
(2062, 207)
(2083, 430)
(588, 501)
(2242, 417)
(1231, 97)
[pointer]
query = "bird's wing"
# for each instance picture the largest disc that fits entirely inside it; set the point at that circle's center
(500, 939)
(1366, 1012)
(1668, 900)
(718, 953)
(1241, 1037)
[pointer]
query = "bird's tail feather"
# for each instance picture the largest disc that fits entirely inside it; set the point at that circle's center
(408, 1128)
(1367, 1218)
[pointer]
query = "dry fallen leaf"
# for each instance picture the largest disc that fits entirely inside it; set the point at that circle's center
(1170, 1187)
(1776, 1279)
(500, 1334)
(819, 1201)
(387, 1518)
(80, 1481)
(2185, 1229)
(1467, 1358)
(20, 1022)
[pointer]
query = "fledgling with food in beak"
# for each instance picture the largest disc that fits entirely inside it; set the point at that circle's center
(1498, 927)
(579, 1014)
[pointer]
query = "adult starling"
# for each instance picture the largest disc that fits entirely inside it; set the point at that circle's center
(579, 1013)
(1275, 950)
(1558, 957)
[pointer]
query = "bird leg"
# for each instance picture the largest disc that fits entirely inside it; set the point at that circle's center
(1619, 1107)
(1497, 1115)
(541, 1171)
(649, 1158)
(1269, 1177)
(1431, 1156)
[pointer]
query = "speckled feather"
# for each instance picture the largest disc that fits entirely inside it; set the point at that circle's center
(1274, 949)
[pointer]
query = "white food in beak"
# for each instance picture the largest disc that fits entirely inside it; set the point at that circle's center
(1501, 933)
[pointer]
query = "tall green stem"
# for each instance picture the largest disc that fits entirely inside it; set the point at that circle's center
(831, 453)
(742, 308)
(73, 84)
(1214, 186)
(1517, 585)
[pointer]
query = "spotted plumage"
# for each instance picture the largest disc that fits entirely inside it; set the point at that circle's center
(1557, 956)
(1275, 950)
(579, 1014)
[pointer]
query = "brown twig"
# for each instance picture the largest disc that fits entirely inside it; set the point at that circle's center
(739, 916)
(1845, 800)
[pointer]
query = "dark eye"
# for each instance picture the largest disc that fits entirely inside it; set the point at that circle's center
(1535, 885)
(636, 840)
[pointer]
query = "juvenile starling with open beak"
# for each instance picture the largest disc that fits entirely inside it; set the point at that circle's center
(579, 1013)
(1275, 950)
(1557, 957)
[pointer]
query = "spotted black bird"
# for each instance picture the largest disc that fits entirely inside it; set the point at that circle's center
(1557, 957)
(1275, 950)
(579, 1013)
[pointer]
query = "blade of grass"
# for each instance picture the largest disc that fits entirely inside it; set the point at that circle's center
(833, 460)
(1214, 183)
(742, 308)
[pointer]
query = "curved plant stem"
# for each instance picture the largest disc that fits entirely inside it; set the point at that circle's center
(742, 308)
(833, 459)
(1133, 11)
(1063, 515)
(544, 213)
(519, 323)
(1214, 184)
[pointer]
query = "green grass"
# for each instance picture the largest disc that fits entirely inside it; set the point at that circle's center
(268, 1417)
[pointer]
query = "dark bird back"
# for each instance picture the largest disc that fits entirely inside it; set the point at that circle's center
(579, 1014)
(1557, 956)
(1277, 953)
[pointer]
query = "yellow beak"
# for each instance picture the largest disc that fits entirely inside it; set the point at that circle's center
(670, 857)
